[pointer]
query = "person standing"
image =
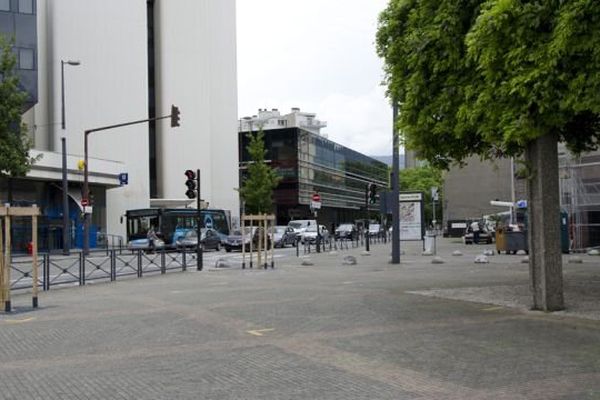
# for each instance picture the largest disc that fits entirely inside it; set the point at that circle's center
(475, 229)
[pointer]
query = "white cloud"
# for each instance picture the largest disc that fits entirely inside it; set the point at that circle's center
(318, 55)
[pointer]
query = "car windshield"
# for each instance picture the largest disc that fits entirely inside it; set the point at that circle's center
(345, 227)
(312, 228)
(295, 225)
(279, 229)
(374, 227)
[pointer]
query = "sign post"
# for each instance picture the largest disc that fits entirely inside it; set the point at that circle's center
(315, 205)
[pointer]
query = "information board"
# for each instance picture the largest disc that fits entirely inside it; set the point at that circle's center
(411, 216)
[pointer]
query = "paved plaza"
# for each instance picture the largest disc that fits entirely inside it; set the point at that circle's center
(373, 330)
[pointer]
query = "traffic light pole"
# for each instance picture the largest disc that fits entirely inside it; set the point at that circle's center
(86, 190)
(199, 254)
(367, 220)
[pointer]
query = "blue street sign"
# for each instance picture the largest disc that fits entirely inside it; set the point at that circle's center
(123, 178)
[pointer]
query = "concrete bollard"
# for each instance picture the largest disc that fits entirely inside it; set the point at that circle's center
(306, 261)
(593, 252)
(525, 260)
(365, 253)
(489, 253)
(481, 259)
(457, 253)
(222, 263)
(349, 260)
(437, 260)
(575, 260)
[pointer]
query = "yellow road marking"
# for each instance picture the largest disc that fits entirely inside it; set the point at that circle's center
(18, 321)
(259, 332)
(493, 309)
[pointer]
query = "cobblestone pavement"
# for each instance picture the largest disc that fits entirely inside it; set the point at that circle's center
(327, 331)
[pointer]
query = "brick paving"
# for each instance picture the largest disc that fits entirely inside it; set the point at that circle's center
(326, 331)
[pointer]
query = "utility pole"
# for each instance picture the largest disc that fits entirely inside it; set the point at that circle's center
(395, 188)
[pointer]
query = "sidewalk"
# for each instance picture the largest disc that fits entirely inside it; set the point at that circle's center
(325, 331)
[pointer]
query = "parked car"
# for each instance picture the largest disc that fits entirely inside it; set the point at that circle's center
(375, 230)
(300, 225)
(235, 239)
(346, 231)
(485, 236)
(310, 234)
(209, 239)
(284, 235)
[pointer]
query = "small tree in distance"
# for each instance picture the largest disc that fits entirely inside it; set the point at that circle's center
(260, 180)
(14, 142)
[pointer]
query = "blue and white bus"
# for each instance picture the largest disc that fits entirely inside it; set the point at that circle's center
(171, 224)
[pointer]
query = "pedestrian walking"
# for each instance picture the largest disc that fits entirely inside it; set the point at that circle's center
(475, 229)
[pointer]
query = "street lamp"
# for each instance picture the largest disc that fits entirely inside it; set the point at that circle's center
(65, 182)
(62, 87)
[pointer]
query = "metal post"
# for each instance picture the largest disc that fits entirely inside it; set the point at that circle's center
(243, 220)
(7, 261)
(86, 195)
(199, 255)
(62, 93)
(395, 189)
(367, 220)
(273, 244)
(512, 190)
(1, 264)
(65, 200)
(34, 261)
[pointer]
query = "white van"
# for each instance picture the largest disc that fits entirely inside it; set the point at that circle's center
(299, 226)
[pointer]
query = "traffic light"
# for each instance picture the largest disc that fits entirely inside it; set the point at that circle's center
(372, 193)
(190, 183)
(174, 116)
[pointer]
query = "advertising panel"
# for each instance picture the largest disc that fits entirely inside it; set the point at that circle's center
(411, 216)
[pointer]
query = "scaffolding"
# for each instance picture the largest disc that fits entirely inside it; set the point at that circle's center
(580, 198)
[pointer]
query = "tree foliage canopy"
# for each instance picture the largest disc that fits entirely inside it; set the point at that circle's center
(14, 142)
(488, 77)
(422, 179)
(260, 180)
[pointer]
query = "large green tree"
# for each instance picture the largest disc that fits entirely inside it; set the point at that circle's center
(422, 179)
(499, 78)
(14, 142)
(260, 179)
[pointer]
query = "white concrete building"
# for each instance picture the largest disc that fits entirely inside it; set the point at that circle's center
(137, 57)
(274, 120)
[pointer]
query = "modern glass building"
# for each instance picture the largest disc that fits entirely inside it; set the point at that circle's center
(18, 23)
(309, 163)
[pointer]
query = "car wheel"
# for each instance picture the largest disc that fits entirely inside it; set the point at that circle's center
(218, 247)
(228, 249)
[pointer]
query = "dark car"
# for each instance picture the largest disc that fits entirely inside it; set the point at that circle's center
(284, 235)
(209, 239)
(346, 231)
(234, 240)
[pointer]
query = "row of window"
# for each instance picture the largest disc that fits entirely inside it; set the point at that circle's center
(25, 58)
(24, 6)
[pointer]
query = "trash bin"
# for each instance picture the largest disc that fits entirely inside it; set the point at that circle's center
(500, 240)
(430, 242)
(515, 241)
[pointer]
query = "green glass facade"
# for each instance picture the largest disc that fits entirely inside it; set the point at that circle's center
(308, 164)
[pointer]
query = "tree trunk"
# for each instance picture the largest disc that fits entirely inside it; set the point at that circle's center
(545, 259)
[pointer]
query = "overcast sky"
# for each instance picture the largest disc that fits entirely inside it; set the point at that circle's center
(318, 55)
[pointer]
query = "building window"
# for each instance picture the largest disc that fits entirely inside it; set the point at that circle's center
(26, 6)
(26, 59)
(4, 5)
